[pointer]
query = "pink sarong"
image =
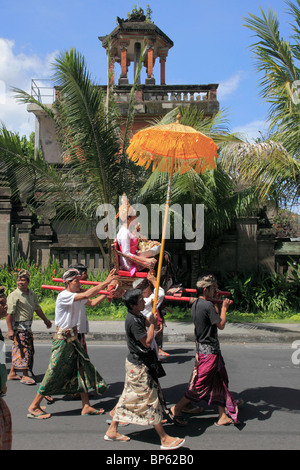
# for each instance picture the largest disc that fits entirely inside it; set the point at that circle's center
(209, 382)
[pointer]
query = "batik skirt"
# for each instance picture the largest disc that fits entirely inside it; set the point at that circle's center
(209, 382)
(5, 426)
(22, 350)
(141, 401)
(70, 371)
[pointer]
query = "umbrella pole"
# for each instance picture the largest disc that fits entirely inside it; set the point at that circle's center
(161, 254)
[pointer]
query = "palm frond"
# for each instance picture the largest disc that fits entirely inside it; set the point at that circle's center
(276, 59)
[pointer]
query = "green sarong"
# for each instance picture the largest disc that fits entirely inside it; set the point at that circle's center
(63, 377)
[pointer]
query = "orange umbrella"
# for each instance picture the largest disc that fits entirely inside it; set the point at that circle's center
(169, 148)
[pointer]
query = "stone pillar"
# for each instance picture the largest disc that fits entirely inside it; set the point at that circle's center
(266, 250)
(247, 254)
(150, 64)
(162, 61)
(123, 80)
(22, 220)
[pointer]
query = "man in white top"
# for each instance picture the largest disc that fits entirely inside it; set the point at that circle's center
(148, 287)
(83, 322)
(70, 370)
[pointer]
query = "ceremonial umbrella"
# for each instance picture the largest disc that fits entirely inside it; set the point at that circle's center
(171, 148)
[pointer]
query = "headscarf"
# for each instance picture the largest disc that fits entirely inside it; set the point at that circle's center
(24, 273)
(206, 281)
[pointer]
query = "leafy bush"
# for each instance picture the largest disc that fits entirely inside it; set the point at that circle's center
(265, 293)
(259, 297)
(38, 276)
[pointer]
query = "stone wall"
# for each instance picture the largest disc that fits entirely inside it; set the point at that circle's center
(249, 249)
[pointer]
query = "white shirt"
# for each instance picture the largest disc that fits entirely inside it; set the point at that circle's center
(67, 310)
(2, 353)
(148, 309)
(148, 301)
(123, 239)
(83, 323)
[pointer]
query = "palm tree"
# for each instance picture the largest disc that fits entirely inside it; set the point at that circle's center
(274, 165)
(94, 169)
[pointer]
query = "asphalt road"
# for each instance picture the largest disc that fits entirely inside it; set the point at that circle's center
(263, 375)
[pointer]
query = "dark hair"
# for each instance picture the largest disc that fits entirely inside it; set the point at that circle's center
(131, 297)
(80, 267)
(144, 284)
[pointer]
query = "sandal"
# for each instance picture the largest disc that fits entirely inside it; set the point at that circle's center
(39, 416)
(118, 438)
(27, 381)
(173, 444)
(178, 420)
(49, 400)
(197, 410)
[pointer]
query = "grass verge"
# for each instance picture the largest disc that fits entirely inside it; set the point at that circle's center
(116, 311)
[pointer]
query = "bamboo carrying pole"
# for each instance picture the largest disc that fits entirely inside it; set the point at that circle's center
(161, 254)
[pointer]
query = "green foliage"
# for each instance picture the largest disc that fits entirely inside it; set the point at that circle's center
(265, 294)
(38, 277)
(13, 245)
(28, 145)
(285, 224)
(257, 298)
(148, 13)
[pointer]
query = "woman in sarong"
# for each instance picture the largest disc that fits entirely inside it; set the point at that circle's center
(141, 401)
(5, 415)
(209, 379)
(70, 370)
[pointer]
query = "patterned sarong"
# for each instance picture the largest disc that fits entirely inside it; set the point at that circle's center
(5, 426)
(209, 382)
(63, 377)
(141, 401)
(22, 350)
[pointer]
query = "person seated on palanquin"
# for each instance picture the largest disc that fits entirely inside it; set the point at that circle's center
(128, 240)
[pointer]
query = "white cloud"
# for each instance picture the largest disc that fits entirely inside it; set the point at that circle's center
(252, 129)
(229, 86)
(17, 70)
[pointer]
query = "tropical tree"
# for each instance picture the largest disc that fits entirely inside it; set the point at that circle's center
(94, 169)
(275, 164)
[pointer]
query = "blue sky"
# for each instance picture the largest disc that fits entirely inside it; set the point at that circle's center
(211, 45)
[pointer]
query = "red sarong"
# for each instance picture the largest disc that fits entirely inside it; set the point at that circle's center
(209, 382)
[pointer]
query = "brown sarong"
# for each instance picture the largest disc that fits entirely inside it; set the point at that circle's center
(5, 426)
(22, 350)
(141, 401)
